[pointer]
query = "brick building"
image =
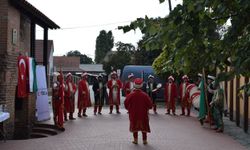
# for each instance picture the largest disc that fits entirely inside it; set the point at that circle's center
(93, 68)
(39, 57)
(72, 65)
(67, 64)
(18, 20)
(39, 54)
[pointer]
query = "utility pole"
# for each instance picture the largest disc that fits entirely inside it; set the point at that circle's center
(170, 6)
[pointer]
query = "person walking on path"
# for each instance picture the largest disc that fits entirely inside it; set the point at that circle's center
(114, 86)
(151, 89)
(83, 96)
(58, 102)
(129, 86)
(170, 95)
(217, 107)
(138, 104)
(100, 90)
(185, 104)
(210, 94)
(69, 105)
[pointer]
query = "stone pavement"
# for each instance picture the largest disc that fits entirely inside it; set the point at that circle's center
(111, 132)
(232, 130)
(236, 133)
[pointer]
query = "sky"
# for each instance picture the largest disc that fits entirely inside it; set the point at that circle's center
(82, 20)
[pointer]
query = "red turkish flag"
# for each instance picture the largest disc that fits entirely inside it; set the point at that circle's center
(22, 64)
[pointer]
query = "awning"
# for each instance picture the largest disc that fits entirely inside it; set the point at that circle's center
(34, 14)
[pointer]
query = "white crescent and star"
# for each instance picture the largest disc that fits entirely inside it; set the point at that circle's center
(20, 63)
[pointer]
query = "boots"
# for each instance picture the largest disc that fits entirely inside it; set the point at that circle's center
(188, 114)
(65, 117)
(183, 111)
(71, 117)
(168, 112)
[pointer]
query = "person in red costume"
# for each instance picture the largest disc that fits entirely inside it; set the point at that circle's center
(170, 95)
(138, 104)
(114, 86)
(69, 104)
(58, 101)
(83, 96)
(185, 104)
(129, 86)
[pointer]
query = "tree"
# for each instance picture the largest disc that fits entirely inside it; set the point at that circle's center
(118, 59)
(143, 56)
(84, 59)
(125, 47)
(192, 39)
(104, 44)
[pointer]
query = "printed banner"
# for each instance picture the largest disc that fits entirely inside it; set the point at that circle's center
(31, 74)
(42, 101)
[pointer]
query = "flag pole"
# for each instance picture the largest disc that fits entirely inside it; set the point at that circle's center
(170, 5)
(205, 91)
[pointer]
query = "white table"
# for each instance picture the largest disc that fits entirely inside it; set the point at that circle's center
(3, 116)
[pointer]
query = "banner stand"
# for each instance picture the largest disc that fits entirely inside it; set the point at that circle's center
(42, 99)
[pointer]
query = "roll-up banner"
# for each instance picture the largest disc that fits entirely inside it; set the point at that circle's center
(42, 101)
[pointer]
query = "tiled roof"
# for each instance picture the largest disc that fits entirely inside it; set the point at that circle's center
(64, 61)
(39, 50)
(92, 67)
(34, 13)
(72, 64)
(69, 69)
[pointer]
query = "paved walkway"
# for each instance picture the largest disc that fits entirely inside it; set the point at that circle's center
(236, 133)
(111, 132)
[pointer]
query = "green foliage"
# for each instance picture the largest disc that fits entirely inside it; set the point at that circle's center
(118, 59)
(160, 65)
(125, 47)
(200, 34)
(247, 88)
(143, 56)
(161, 1)
(84, 59)
(127, 54)
(104, 44)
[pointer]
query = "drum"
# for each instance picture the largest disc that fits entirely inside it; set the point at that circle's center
(193, 95)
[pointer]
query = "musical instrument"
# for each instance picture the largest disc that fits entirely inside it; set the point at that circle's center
(193, 95)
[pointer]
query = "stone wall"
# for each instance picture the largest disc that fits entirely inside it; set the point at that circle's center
(22, 111)
(8, 71)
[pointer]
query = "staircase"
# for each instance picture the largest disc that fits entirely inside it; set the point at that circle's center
(44, 130)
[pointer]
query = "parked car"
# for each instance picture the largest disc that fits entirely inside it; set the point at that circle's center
(142, 72)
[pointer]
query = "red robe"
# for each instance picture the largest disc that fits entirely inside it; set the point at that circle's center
(138, 104)
(83, 95)
(111, 88)
(69, 97)
(58, 102)
(183, 97)
(23, 71)
(127, 88)
(170, 99)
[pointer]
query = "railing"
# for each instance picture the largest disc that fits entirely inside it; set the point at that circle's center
(76, 79)
(2, 107)
(3, 117)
